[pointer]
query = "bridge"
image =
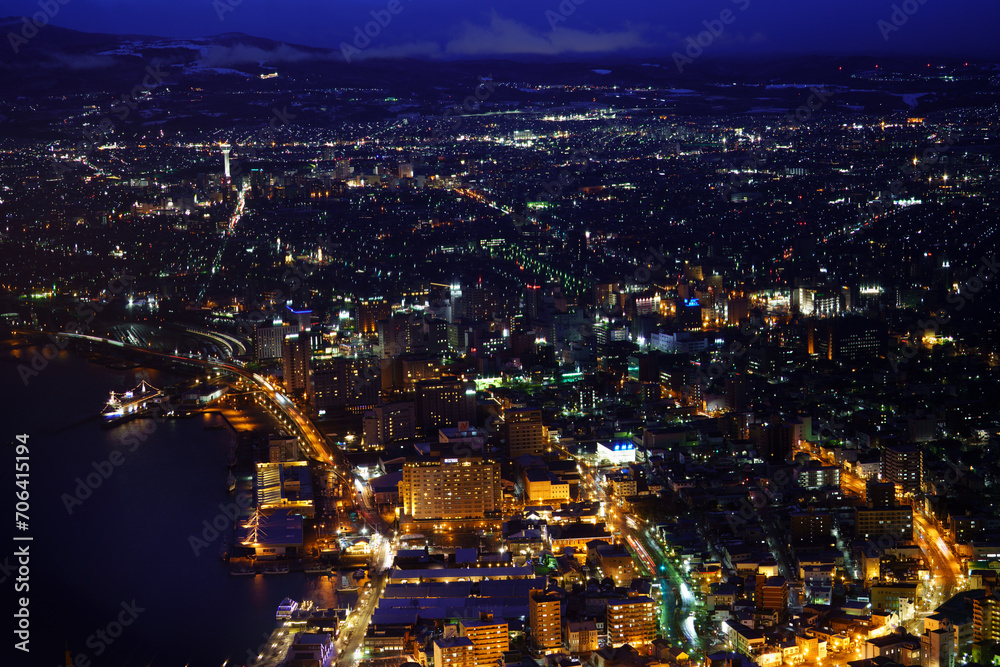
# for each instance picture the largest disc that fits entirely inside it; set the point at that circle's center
(313, 441)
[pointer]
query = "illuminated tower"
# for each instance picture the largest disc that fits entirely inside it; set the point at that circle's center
(225, 159)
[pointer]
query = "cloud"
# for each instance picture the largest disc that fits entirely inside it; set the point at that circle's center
(409, 50)
(78, 62)
(225, 56)
(508, 37)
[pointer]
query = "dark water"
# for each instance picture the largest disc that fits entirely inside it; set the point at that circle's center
(124, 552)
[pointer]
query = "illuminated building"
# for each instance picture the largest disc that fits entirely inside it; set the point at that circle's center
(545, 617)
(581, 636)
(986, 619)
(617, 452)
(896, 522)
(903, 465)
(490, 639)
(296, 352)
(524, 432)
(269, 341)
(937, 646)
(450, 488)
(772, 594)
(811, 528)
(880, 495)
(454, 652)
(445, 402)
(370, 311)
(389, 422)
(631, 621)
(351, 382)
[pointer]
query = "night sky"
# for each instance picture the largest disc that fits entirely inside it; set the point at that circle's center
(464, 28)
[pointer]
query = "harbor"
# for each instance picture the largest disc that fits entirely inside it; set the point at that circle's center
(169, 483)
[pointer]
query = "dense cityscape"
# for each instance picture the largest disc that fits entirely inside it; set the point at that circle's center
(558, 363)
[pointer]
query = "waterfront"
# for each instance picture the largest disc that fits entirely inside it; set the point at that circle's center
(107, 534)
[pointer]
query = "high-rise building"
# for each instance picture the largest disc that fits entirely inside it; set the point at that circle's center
(490, 639)
(269, 341)
(937, 646)
(396, 334)
(849, 339)
(631, 621)
(816, 476)
(774, 439)
(880, 495)
(524, 432)
(903, 465)
(296, 353)
(301, 318)
(445, 402)
(344, 169)
(545, 617)
(476, 302)
(737, 310)
(372, 310)
(688, 314)
(802, 300)
(532, 302)
(895, 522)
(346, 382)
(390, 422)
(454, 652)
(409, 369)
(451, 488)
(773, 596)
(774, 362)
(986, 619)
(811, 529)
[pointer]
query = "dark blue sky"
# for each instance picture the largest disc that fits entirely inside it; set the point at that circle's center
(460, 28)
